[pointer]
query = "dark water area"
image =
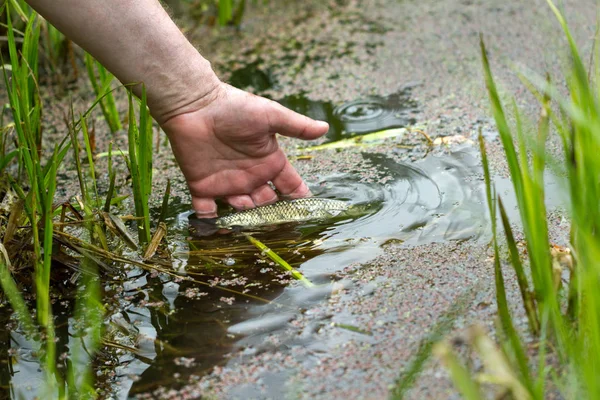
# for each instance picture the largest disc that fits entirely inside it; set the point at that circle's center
(349, 119)
(230, 296)
(358, 117)
(248, 298)
(238, 299)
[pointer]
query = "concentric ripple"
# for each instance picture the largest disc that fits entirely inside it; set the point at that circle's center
(376, 113)
(360, 116)
(437, 199)
(245, 298)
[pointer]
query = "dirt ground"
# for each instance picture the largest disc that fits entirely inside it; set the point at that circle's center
(376, 47)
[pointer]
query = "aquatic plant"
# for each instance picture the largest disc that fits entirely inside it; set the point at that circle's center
(43, 228)
(101, 79)
(26, 109)
(279, 261)
(21, 81)
(140, 163)
(563, 320)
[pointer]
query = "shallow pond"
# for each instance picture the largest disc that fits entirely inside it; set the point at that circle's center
(230, 296)
(249, 298)
(228, 300)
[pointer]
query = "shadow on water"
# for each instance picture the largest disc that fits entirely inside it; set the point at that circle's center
(436, 199)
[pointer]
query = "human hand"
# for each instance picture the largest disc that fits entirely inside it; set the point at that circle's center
(227, 148)
(223, 138)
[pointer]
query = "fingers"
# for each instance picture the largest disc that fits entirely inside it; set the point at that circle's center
(289, 123)
(259, 197)
(290, 184)
(204, 207)
(263, 195)
(240, 202)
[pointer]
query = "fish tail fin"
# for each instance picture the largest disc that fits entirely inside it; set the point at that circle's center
(204, 226)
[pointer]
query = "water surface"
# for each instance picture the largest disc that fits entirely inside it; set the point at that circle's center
(434, 200)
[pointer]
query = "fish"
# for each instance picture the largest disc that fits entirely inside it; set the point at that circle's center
(298, 210)
(284, 211)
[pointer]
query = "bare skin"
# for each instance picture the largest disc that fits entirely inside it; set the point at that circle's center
(224, 139)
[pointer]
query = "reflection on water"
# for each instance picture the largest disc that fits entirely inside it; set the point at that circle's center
(238, 298)
(429, 201)
(360, 116)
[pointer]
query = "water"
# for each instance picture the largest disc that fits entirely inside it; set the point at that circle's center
(358, 117)
(238, 298)
(347, 119)
(436, 199)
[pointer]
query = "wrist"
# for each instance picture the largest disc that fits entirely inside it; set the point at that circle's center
(186, 87)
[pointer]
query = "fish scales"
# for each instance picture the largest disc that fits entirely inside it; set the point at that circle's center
(298, 210)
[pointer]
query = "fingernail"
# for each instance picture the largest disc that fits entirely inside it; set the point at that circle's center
(269, 201)
(301, 191)
(323, 124)
(206, 213)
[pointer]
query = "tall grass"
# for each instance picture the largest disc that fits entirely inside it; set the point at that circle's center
(140, 163)
(21, 81)
(564, 320)
(23, 96)
(89, 310)
(101, 79)
(36, 185)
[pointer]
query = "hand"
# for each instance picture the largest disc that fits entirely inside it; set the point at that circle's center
(227, 148)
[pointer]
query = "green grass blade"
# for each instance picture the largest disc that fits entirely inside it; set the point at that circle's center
(461, 376)
(528, 299)
(507, 324)
(144, 152)
(109, 99)
(503, 312)
(16, 299)
(90, 157)
(279, 261)
(104, 94)
(138, 190)
(442, 327)
(501, 123)
(225, 11)
(78, 166)
(45, 313)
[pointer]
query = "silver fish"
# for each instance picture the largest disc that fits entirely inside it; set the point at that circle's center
(298, 210)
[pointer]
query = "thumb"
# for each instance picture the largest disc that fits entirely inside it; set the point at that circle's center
(289, 123)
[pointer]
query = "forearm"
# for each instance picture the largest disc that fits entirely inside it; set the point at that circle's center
(138, 42)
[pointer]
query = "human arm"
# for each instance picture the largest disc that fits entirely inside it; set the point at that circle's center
(223, 138)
